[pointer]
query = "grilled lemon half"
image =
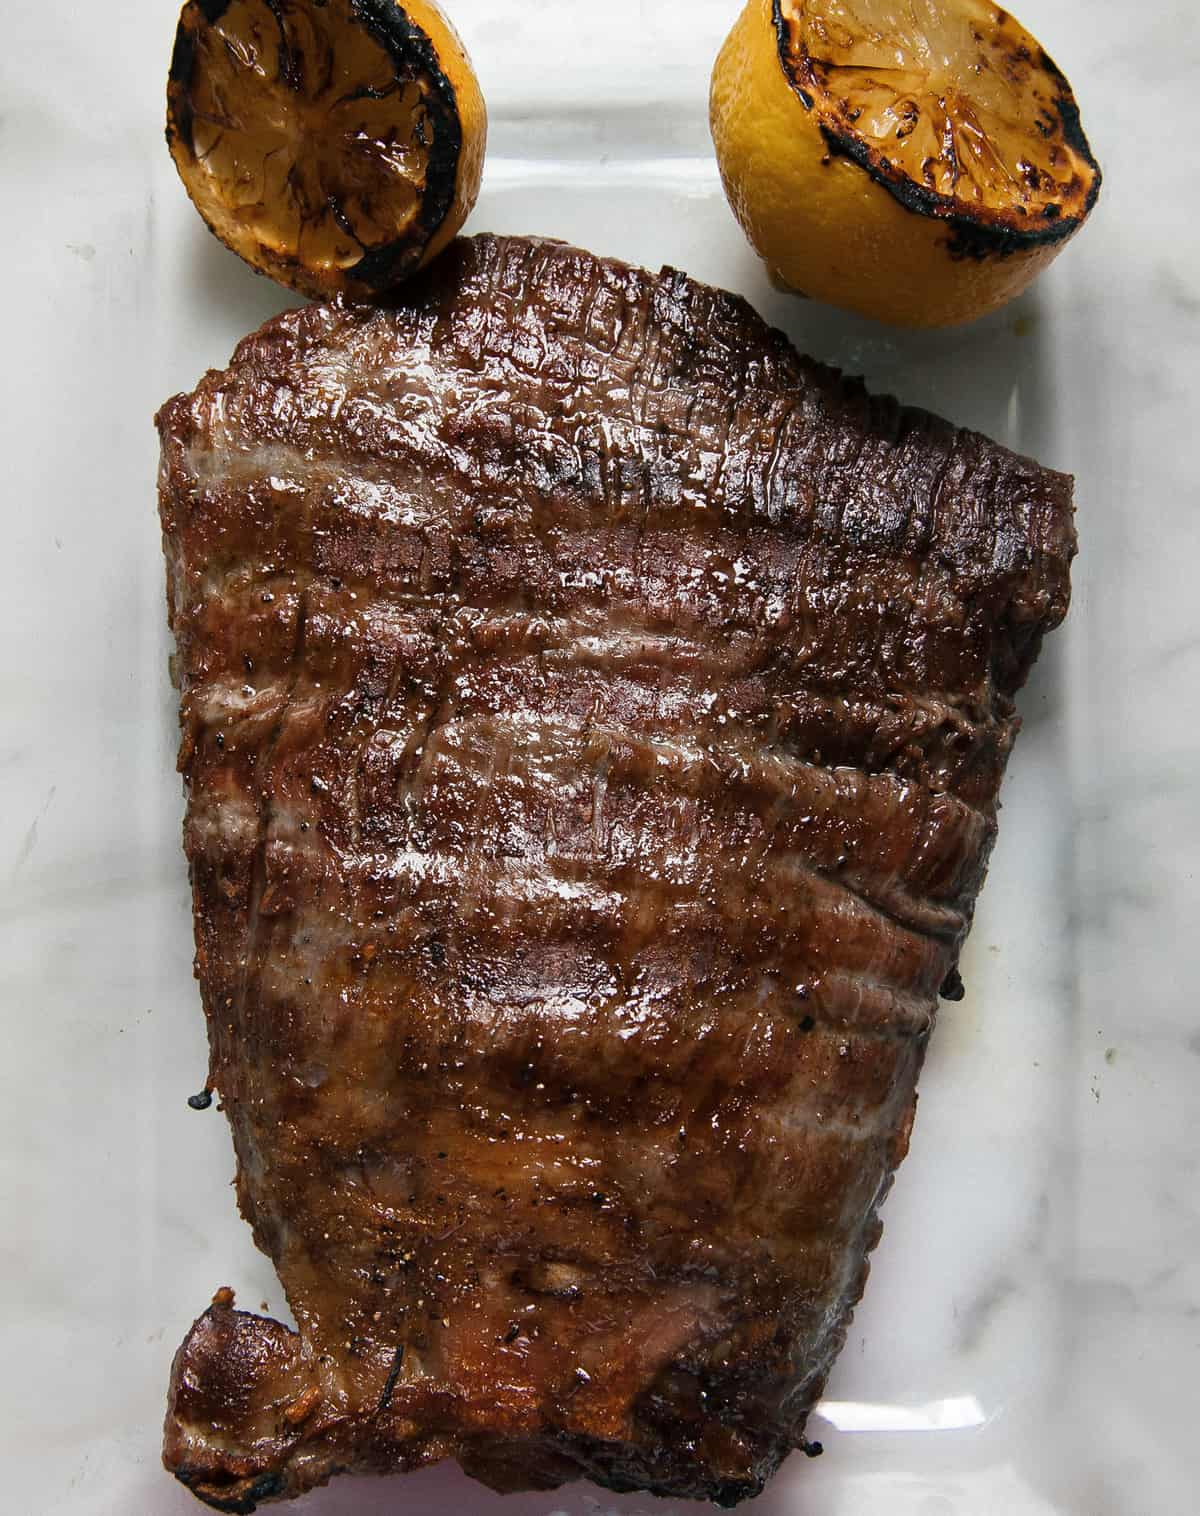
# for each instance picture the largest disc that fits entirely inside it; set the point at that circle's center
(919, 161)
(336, 145)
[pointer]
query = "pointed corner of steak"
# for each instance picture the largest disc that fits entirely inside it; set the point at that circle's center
(241, 1399)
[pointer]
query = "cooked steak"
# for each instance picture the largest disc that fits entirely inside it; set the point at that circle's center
(593, 715)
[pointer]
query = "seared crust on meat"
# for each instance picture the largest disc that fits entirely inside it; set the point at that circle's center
(593, 716)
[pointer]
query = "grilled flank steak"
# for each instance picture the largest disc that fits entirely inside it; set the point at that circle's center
(593, 716)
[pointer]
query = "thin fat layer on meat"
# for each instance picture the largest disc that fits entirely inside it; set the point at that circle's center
(593, 715)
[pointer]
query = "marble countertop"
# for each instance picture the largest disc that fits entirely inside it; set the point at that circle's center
(1032, 1323)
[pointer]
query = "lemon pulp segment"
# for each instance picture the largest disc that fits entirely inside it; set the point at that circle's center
(954, 107)
(325, 140)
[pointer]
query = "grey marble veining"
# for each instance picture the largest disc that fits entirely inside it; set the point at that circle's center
(1030, 1332)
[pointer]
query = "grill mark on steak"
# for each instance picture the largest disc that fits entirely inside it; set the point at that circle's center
(593, 717)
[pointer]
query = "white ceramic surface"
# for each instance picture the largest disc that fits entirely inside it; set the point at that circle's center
(1028, 1343)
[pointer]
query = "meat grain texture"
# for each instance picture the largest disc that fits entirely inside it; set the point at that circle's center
(593, 715)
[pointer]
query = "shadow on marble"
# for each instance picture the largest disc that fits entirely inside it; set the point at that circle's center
(238, 299)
